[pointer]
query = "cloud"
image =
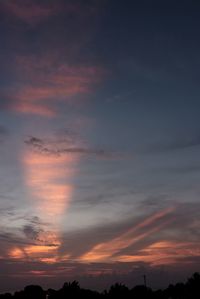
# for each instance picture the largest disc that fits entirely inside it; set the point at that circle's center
(31, 12)
(111, 249)
(182, 169)
(67, 145)
(39, 235)
(37, 242)
(151, 245)
(3, 133)
(163, 253)
(53, 71)
(35, 12)
(147, 239)
(186, 142)
(44, 83)
(24, 107)
(114, 237)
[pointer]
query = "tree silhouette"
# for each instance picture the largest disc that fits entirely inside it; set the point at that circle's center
(188, 290)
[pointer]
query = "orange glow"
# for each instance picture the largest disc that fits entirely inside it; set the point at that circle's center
(32, 108)
(35, 249)
(48, 178)
(45, 254)
(16, 253)
(39, 273)
(163, 253)
(105, 251)
(31, 251)
(49, 260)
(150, 220)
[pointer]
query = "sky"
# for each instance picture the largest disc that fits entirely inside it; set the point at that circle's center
(99, 142)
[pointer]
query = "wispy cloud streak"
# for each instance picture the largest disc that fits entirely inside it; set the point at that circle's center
(43, 83)
(59, 147)
(109, 251)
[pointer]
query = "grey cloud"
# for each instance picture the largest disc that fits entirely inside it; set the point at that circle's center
(38, 232)
(176, 144)
(155, 200)
(3, 130)
(105, 196)
(3, 133)
(100, 234)
(183, 169)
(68, 145)
(31, 232)
(181, 224)
(11, 238)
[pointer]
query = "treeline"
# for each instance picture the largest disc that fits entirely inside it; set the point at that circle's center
(188, 290)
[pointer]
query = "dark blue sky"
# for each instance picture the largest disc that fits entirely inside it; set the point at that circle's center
(99, 141)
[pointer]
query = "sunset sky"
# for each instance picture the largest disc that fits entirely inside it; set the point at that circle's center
(99, 142)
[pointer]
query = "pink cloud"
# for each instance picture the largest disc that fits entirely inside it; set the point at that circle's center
(31, 12)
(43, 82)
(31, 108)
(34, 12)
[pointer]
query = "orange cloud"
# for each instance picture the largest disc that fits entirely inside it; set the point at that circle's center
(41, 253)
(33, 252)
(163, 253)
(38, 273)
(105, 251)
(48, 180)
(46, 177)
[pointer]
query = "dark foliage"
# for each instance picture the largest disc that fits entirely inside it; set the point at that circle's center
(188, 290)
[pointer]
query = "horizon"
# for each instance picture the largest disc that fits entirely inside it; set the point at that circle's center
(190, 284)
(99, 142)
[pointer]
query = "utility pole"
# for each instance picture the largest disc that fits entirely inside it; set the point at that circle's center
(145, 280)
